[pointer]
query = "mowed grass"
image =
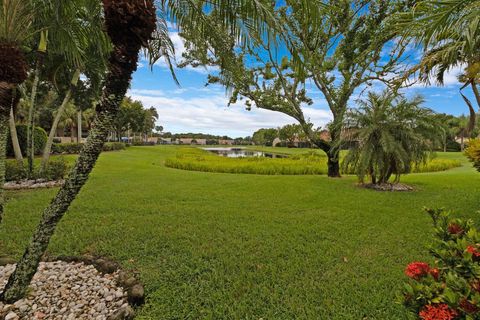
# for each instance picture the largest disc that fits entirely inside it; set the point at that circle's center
(298, 162)
(233, 246)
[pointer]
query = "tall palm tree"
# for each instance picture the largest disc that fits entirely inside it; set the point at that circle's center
(389, 134)
(15, 22)
(130, 25)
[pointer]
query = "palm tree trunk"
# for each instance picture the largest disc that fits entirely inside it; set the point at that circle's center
(6, 98)
(31, 112)
(61, 109)
(79, 126)
(42, 49)
(13, 133)
(53, 130)
(122, 63)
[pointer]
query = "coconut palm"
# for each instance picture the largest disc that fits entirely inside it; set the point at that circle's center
(390, 134)
(130, 25)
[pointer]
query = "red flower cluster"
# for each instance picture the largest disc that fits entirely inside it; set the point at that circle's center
(454, 228)
(474, 251)
(437, 312)
(416, 270)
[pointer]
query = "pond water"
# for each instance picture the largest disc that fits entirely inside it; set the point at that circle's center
(242, 153)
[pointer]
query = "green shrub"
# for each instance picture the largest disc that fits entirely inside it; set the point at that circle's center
(473, 153)
(75, 148)
(40, 139)
(14, 172)
(66, 148)
(312, 162)
(56, 169)
(435, 165)
(451, 288)
(114, 146)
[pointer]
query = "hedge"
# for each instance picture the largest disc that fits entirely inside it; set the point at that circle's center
(40, 139)
(74, 148)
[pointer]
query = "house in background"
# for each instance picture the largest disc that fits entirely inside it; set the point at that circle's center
(226, 142)
(201, 142)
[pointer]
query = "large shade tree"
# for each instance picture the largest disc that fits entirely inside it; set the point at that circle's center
(336, 46)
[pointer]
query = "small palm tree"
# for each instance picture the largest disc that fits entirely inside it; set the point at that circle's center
(390, 134)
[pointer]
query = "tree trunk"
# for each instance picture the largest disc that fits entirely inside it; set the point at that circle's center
(31, 113)
(122, 63)
(79, 126)
(333, 164)
(13, 134)
(6, 98)
(53, 130)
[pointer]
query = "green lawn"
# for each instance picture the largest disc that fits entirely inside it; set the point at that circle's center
(234, 246)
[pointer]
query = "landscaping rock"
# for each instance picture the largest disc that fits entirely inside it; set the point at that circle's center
(388, 187)
(136, 294)
(32, 184)
(124, 313)
(68, 290)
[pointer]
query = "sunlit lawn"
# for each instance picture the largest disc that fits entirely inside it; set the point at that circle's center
(233, 246)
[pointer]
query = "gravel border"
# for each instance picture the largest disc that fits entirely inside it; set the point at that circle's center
(75, 288)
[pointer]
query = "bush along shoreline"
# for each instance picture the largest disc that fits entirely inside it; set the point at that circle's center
(309, 163)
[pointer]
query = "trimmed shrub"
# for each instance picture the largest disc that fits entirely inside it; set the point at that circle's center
(56, 169)
(66, 148)
(40, 139)
(14, 172)
(473, 153)
(75, 148)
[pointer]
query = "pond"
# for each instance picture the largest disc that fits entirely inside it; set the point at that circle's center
(243, 153)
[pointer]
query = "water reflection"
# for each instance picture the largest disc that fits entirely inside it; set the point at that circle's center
(243, 153)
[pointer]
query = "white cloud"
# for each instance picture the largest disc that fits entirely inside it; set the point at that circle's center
(179, 45)
(450, 79)
(209, 113)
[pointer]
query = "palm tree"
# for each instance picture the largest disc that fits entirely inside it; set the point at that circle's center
(69, 29)
(15, 22)
(93, 46)
(449, 32)
(130, 25)
(390, 134)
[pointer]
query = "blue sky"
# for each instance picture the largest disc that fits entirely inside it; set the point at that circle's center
(192, 107)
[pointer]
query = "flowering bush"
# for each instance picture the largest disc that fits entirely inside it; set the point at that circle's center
(450, 289)
(473, 153)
